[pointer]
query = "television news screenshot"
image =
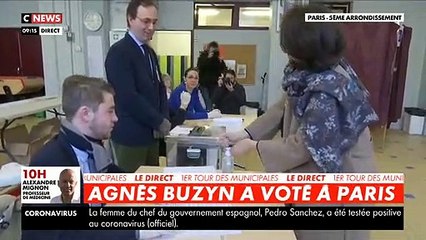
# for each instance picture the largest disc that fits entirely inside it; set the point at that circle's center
(212, 120)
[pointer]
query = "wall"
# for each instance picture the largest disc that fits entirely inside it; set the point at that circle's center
(277, 61)
(250, 37)
(422, 95)
(172, 15)
(10, 11)
(91, 61)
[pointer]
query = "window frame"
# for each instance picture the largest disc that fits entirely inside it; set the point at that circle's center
(235, 6)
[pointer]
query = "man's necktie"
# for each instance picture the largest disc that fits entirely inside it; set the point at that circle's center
(148, 58)
(91, 163)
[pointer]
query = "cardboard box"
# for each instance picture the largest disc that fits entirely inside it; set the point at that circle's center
(55, 123)
(23, 144)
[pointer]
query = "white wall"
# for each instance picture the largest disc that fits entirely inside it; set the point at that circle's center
(10, 11)
(277, 61)
(260, 38)
(172, 15)
(422, 94)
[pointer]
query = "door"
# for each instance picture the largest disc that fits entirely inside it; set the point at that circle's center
(31, 55)
(9, 52)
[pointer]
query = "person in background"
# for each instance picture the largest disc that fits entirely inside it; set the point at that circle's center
(194, 110)
(88, 104)
(67, 183)
(132, 69)
(323, 115)
(168, 83)
(210, 66)
(230, 96)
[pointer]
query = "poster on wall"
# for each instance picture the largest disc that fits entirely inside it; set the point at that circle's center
(230, 64)
(241, 71)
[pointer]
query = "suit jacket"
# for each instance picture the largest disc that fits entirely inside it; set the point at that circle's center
(58, 152)
(289, 154)
(140, 98)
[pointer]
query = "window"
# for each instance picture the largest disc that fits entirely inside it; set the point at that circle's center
(255, 17)
(339, 7)
(214, 16)
(232, 15)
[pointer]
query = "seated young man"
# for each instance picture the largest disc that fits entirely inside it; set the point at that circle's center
(88, 104)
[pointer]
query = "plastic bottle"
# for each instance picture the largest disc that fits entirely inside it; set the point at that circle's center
(227, 161)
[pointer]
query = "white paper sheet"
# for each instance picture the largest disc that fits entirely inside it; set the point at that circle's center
(180, 130)
(230, 64)
(95, 56)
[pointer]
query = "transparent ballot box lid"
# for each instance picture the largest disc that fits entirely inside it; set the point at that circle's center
(194, 146)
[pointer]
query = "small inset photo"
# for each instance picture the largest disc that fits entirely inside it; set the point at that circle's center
(50, 185)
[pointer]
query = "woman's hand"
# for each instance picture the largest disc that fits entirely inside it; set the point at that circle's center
(215, 113)
(232, 138)
(243, 147)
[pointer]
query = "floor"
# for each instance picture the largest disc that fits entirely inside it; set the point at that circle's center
(407, 154)
(399, 153)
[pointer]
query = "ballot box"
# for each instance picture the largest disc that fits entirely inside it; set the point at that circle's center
(194, 146)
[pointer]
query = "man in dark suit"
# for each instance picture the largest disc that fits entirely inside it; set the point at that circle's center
(88, 104)
(132, 69)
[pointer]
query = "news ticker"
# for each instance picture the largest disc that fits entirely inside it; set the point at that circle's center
(41, 185)
(42, 30)
(213, 218)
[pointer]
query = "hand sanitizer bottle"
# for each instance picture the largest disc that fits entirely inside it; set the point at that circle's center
(227, 161)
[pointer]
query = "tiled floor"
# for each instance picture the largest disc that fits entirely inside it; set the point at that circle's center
(407, 154)
(400, 153)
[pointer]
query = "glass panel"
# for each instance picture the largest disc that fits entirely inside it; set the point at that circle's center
(255, 17)
(215, 17)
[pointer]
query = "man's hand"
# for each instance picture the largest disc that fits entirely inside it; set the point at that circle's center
(185, 98)
(165, 126)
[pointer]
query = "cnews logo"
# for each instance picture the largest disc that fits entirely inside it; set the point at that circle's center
(41, 18)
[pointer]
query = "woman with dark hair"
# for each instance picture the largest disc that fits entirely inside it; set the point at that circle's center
(323, 115)
(193, 106)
